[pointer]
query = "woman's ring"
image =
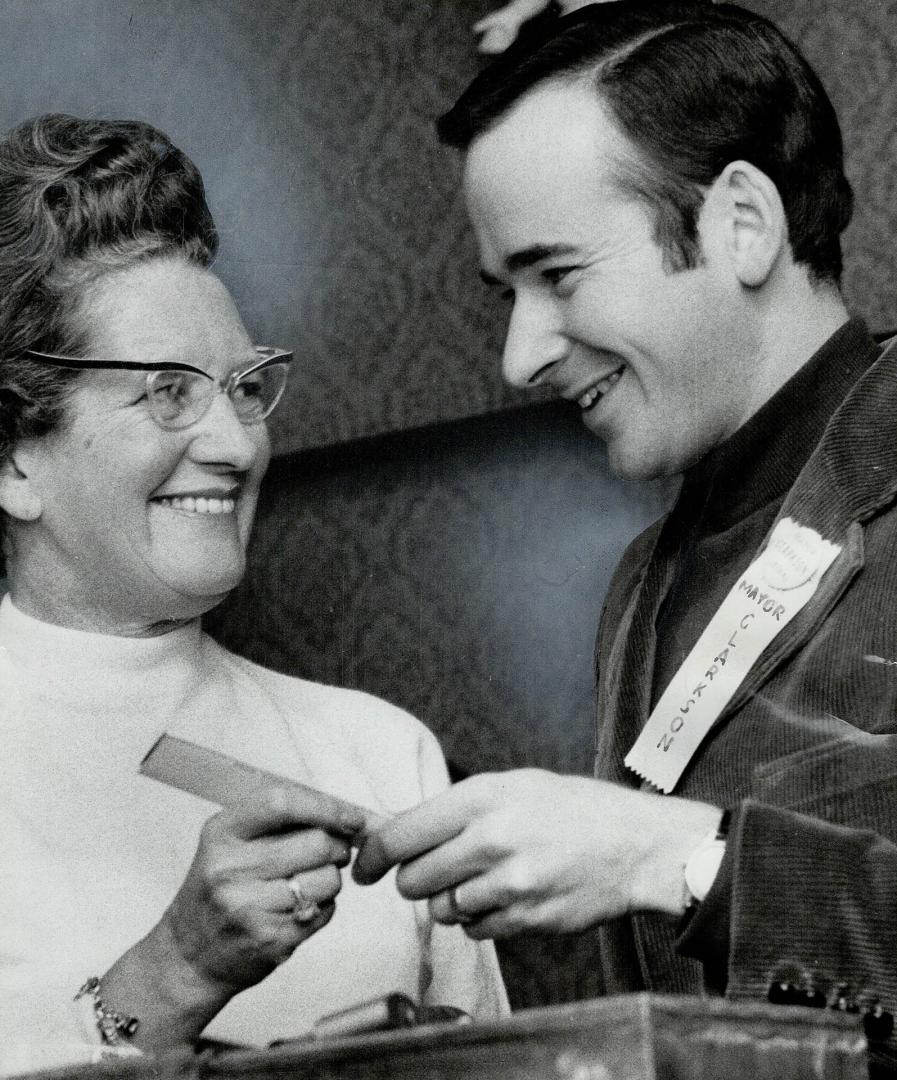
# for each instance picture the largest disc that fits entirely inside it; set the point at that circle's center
(305, 910)
(458, 916)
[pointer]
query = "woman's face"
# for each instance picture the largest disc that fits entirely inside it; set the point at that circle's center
(138, 524)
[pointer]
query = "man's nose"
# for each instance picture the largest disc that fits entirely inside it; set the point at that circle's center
(222, 438)
(534, 344)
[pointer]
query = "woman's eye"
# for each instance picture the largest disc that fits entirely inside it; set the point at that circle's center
(248, 388)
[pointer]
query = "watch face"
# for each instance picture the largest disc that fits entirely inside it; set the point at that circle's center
(703, 866)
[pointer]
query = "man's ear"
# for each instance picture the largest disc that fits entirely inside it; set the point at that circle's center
(18, 496)
(753, 220)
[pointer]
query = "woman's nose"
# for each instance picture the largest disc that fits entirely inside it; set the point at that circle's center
(534, 344)
(220, 437)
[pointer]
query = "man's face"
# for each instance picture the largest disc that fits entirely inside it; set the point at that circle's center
(658, 362)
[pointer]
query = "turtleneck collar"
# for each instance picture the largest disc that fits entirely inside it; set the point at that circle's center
(90, 674)
(761, 461)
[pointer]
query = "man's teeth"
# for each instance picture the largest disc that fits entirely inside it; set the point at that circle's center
(199, 506)
(599, 389)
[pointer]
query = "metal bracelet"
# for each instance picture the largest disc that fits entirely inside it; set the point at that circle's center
(111, 1025)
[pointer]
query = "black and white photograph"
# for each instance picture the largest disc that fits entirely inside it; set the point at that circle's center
(448, 539)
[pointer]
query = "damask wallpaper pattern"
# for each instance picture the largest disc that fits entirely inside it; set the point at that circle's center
(343, 232)
(457, 569)
(852, 44)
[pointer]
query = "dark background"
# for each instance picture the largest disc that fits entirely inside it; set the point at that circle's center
(421, 535)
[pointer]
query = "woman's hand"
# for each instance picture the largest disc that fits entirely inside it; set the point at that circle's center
(232, 921)
(246, 904)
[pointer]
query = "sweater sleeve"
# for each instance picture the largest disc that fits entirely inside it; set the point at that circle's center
(43, 1027)
(41, 1024)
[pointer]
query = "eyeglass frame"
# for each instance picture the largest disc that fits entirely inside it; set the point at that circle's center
(268, 356)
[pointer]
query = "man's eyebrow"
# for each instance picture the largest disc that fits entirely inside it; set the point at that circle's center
(520, 260)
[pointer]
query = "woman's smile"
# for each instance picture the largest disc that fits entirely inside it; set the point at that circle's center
(209, 501)
(169, 511)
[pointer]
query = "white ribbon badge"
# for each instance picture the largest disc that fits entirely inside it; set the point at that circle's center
(773, 589)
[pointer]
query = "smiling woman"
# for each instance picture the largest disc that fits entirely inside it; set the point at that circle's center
(107, 492)
(132, 446)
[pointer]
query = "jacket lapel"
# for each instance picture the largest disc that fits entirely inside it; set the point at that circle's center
(626, 678)
(851, 476)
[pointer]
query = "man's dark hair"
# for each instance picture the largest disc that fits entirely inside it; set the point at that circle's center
(693, 86)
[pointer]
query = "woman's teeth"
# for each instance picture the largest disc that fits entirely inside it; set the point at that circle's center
(200, 505)
(591, 395)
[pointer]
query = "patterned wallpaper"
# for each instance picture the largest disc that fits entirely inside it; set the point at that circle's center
(343, 231)
(458, 571)
(852, 44)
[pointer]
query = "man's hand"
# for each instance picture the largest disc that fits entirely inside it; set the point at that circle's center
(500, 27)
(505, 852)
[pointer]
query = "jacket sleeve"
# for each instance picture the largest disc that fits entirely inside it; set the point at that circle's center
(804, 909)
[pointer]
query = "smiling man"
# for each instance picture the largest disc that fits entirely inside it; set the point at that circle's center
(659, 188)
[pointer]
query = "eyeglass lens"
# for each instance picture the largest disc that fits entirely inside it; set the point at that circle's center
(179, 398)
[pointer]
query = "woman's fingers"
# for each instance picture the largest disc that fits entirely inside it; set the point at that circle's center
(410, 834)
(278, 809)
(319, 886)
(282, 856)
(252, 896)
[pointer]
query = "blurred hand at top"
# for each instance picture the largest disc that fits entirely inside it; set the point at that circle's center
(500, 27)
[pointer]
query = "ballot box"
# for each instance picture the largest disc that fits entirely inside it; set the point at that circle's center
(632, 1037)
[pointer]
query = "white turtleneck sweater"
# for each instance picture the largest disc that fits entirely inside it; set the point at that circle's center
(91, 853)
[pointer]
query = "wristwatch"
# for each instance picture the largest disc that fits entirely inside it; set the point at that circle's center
(704, 862)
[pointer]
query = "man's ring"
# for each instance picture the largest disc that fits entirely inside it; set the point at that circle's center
(305, 910)
(458, 916)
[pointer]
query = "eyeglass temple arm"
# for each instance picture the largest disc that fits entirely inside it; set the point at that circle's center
(267, 357)
(124, 365)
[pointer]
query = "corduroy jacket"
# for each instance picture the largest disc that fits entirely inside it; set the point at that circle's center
(805, 755)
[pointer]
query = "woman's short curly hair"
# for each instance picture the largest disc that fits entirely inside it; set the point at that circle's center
(79, 198)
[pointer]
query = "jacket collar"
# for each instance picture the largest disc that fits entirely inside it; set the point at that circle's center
(849, 477)
(719, 492)
(852, 473)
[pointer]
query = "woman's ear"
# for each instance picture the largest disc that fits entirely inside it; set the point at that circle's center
(755, 229)
(18, 496)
